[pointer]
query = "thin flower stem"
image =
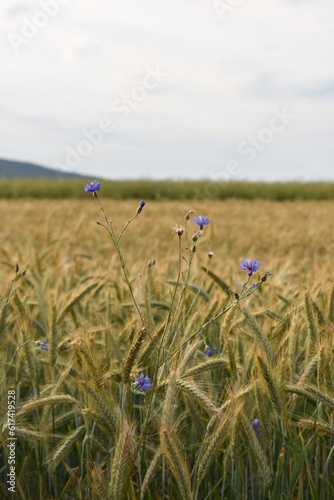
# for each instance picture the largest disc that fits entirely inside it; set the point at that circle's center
(126, 226)
(189, 310)
(184, 288)
(115, 241)
(234, 303)
(244, 285)
(157, 365)
(169, 317)
(147, 416)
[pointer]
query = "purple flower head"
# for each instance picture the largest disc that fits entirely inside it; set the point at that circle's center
(256, 426)
(209, 351)
(142, 204)
(201, 220)
(143, 382)
(43, 345)
(250, 265)
(93, 186)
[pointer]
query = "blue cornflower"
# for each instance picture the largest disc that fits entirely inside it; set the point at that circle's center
(143, 382)
(142, 204)
(93, 186)
(201, 220)
(209, 351)
(43, 345)
(250, 265)
(256, 425)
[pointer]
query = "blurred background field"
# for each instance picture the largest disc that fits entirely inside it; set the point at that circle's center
(291, 238)
(73, 296)
(168, 190)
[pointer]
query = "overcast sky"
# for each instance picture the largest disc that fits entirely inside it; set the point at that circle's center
(220, 89)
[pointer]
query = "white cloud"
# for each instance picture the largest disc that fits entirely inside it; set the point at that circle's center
(224, 79)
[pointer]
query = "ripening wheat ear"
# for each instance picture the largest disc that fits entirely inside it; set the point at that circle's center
(313, 393)
(107, 416)
(260, 336)
(99, 484)
(168, 409)
(311, 326)
(20, 307)
(75, 300)
(39, 403)
(213, 443)
(188, 355)
(81, 350)
(256, 450)
(271, 386)
(155, 462)
(176, 463)
(200, 397)
(325, 364)
(64, 448)
(209, 364)
(132, 354)
(121, 464)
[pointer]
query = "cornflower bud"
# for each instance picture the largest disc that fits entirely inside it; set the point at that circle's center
(187, 217)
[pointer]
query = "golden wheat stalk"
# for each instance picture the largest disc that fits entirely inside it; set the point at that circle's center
(20, 308)
(311, 325)
(231, 451)
(313, 393)
(132, 354)
(271, 386)
(198, 395)
(75, 300)
(154, 464)
(168, 409)
(120, 472)
(105, 414)
(176, 463)
(34, 436)
(188, 355)
(212, 444)
(53, 337)
(316, 424)
(309, 370)
(256, 450)
(100, 419)
(210, 364)
(241, 394)
(261, 338)
(99, 484)
(80, 348)
(324, 372)
(40, 403)
(63, 449)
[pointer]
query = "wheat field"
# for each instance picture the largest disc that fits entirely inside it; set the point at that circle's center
(143, 368)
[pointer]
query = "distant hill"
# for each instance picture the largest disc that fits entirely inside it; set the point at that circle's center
(10, 168)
